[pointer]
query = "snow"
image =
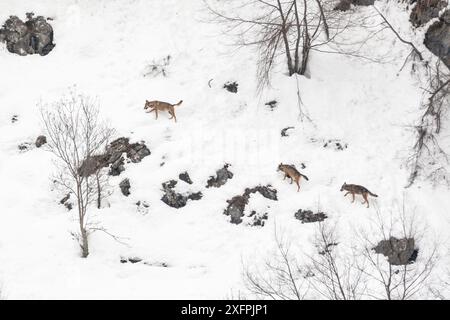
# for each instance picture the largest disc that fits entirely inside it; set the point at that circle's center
(102, 49)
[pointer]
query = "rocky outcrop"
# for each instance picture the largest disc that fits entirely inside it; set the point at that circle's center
(125, 187)
(34, 36)
(174, 199)
(222, 176)
(425, 10)
(236, 205)
(114, 158)
(398, 251)
(437, 38)
(307, 216)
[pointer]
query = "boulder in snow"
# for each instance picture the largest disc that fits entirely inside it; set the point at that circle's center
(307, 216)
(231, 86)
(185, 177)
(125, 187)
(398, 251)
(236, 205)
(222, 176)
(40, 141)
(437, 38)
(174, 199)
(34, 36)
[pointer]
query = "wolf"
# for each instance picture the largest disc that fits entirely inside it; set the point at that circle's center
(291, 172)
(357, 189)
(161, 106)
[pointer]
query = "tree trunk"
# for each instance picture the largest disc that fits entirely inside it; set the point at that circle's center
(84, 244)
(99, 191)
(285, 39)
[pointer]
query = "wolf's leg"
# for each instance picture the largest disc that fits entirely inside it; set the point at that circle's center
(174, 116)
(285, 176)
(298, 185)
(292, 180)
(365, 199)
(346, 193)
(353, 197)
(156, 112)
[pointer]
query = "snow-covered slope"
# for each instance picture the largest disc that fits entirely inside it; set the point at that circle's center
(102, 49)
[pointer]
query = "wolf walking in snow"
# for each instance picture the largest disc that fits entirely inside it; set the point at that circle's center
(291, 172)
(162, 106)
(357, 189)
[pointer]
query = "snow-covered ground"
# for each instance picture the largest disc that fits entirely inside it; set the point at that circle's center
(102, 49)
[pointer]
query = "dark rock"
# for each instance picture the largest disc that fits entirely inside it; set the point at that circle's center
(222, 176)
(40, 141)
(175, 199)
(35, 36)
(437, 38)
(14, 118)
(185, 177)
(231, 87)
(132, 260)
(272, 104)
(284, 131)
(25, 146)
(92, 164)
(345, 5)
(135, 151)
(258, 220)
(125, 187)
(335, 144)
(195, 196)
(398, 251)
(117, 167)
(425, 10)
(113, 157)
(65, 201)
(236, 205)
(307, 216)
(169, 184)
(266, 191)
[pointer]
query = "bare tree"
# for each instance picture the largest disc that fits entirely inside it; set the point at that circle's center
(279, 278)
(336, 272)
(397, 276)
(289, 28)
(427, 152)
(76, 134)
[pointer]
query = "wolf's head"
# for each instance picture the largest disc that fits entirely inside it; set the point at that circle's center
(343, 186)
(280, 167)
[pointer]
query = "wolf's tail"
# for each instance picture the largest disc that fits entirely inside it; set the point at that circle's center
(181, 101)
(373, 194)
(304, 177)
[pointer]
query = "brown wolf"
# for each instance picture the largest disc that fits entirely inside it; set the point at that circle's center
(291, 172)
(162, 106)
(356, 189)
